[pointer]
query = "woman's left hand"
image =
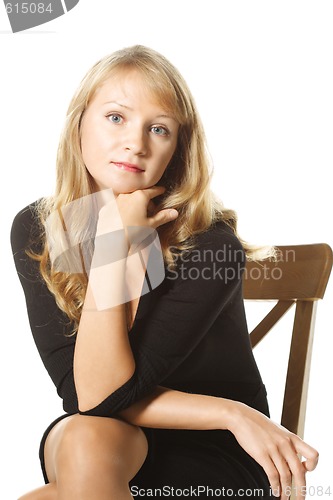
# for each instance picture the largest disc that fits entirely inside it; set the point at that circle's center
(275, 449)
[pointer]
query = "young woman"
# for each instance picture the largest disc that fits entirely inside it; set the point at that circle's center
(160, 388)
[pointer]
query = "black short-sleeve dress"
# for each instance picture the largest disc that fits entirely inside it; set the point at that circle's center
(189, 334)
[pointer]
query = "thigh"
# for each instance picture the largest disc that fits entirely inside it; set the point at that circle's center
(186, 459)
(83, 435)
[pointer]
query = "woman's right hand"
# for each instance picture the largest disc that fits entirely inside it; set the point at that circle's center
(138, 209)
(124, 237)
(275, 448)
(135, 209)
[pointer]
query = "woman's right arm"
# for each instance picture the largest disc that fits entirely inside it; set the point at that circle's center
(146, 404)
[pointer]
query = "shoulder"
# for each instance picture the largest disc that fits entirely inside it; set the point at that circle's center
(221, 242)
(216, 258)
(213, 265)
(25, 229)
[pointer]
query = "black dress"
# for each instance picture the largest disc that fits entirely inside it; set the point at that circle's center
(189, 334)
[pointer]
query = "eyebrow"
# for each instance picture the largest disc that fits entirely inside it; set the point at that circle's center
(131, 109)
(119, 104)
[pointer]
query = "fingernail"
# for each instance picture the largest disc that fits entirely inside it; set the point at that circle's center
(173, 212)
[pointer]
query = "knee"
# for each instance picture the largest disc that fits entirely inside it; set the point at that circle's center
(85, 441)
(81, 435)
(97, 445)
(46, 492)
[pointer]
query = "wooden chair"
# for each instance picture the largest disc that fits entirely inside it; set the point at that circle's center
(297, 278)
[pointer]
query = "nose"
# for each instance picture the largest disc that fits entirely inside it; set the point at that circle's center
(136, 141)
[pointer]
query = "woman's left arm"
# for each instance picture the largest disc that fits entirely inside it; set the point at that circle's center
(271, 445)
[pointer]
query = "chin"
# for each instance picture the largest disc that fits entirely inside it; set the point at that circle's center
(123, 187)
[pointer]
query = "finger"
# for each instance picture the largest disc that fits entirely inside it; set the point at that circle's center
(164, 216)
(153, 191)
(310, 454)
(296, 467)
(298, 473)
(285, 477)
(273, 476)
(290, 466)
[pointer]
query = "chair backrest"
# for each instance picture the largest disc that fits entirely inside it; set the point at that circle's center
(297, 278)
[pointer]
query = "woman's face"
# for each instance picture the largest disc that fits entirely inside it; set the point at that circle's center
(127, 138)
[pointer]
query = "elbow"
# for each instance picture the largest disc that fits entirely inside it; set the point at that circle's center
(87, 406)
(107, 403)
(92, 408)
(94, 412)
(94, 387)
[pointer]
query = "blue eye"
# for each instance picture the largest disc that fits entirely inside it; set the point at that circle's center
(115, 118)
(159, 130)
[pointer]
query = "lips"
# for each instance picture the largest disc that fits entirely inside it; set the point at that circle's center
(130, 167)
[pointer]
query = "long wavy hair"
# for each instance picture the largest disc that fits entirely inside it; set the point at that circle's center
(186, 178)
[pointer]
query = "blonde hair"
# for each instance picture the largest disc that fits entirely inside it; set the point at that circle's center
(187, 177)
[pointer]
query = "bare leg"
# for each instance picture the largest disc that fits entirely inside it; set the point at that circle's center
(91, 457)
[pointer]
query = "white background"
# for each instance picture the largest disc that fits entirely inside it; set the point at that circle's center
(261, 72)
